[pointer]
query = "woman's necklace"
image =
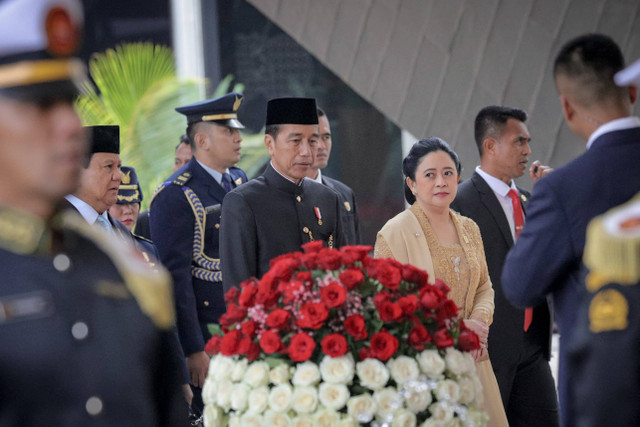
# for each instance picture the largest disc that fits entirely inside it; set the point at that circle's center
(456, 265)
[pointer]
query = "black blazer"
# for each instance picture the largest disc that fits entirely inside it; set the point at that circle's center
(348, 210)
(476, 200)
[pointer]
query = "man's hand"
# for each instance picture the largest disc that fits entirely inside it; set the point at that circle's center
(198, 366)
(187, 393)
(537, 170)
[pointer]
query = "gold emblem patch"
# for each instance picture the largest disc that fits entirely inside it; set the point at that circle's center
(237, 103)
(523, 197)
(608, 311)
(238, 181)
(126, 178)
(347, 206)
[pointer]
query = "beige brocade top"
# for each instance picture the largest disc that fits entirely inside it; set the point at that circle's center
(461, 266)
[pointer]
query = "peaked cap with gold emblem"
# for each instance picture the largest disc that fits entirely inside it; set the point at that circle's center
(129, 190)
(38, 39)
(222, 110)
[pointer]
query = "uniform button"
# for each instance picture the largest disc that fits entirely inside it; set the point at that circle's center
(299, 199)
(94, 405)
(61, 262)
(206, 303)
(217, 226)
(305, 230)
(80, 330)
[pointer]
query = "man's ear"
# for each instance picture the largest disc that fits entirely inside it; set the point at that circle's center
(567, 109)
(200, 140)
(488, 145)
(270, 143)
(633, 93)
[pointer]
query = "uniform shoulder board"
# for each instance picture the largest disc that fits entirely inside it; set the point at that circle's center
(183, 178)
(155, 193)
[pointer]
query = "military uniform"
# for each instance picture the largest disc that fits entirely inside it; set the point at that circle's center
(348, 210)
(270, 216)
(142, 228)
(86, 335)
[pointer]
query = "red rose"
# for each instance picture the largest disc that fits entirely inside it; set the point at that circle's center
(268, 293)
(380, 298)
(355, 326)
(351, 254)
(213, 345)
(351, 277)
(383, 345)
(232, 295)
(278, 319)
(270, 342)
(333, 295)
(303, 276)
(312, 247)
(283, 266)
(446, 310)
(418, 336)
(389, 275)
(312, 315)
(329, 259)
(442, 338)
(248, 295)
(301, 347)
(229, 345)
(468, 340)
(233, 315)
(430, 297)
(248, 328)
(249, 348)
(408, 304)
(442, 286)
(291, 290)
(371, 266)
(389, 311)
(310, 260)
(334, 345)
(414, 275)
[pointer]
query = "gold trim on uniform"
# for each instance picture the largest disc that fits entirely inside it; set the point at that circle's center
(130, 198)
(236, 103)
(210, 117)
(239, 181)
(31, 72)
(110, 289)
(22, 233)
(608, 311)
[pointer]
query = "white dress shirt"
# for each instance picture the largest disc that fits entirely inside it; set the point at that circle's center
(88, 213)
(501, 190)
(214, 173)
(318, 178)
(613, 125)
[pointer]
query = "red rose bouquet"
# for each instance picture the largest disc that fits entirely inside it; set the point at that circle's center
(330, 337)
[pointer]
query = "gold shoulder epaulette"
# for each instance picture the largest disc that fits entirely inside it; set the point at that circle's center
(150, 287)
(155, 193)
(182, 179)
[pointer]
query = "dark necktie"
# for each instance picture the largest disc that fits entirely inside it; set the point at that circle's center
(518, 218)
(226, 182)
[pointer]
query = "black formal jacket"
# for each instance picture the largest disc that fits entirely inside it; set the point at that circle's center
(348, 210)
(143, 228)
(476, 200)
(271, 216)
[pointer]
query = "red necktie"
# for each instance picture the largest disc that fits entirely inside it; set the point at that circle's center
(518, 218)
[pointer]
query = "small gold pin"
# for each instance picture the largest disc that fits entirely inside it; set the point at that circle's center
(523, 197)
(217, 226)
(307, 231)
(330, 242)
(238, 181)
(299, 199)
(347, 206)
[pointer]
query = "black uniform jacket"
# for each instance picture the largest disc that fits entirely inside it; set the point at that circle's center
(348, 210)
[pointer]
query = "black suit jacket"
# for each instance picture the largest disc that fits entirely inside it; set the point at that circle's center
(348, 210)
(476, 200)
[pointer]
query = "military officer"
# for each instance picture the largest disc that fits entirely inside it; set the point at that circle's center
(349, 211)
(279, 211)
(185, 222)
(84, 325)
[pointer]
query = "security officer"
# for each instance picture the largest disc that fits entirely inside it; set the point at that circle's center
(185, 222)
(605, 349)
(84, 324)
(279, 211)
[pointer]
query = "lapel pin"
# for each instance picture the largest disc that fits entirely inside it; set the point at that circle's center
(318, 214)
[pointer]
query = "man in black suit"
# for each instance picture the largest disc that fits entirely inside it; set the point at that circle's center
(547, 258)
(519, 358)
(349, 211)
(280, 210)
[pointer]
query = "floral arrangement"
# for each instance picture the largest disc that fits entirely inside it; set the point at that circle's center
(336, 338)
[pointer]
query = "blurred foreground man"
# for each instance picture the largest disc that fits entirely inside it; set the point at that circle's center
(547, 258)
(84, 325)
(349, 211)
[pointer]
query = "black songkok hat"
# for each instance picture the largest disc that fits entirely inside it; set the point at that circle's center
(292, 111)
(104, 139)
(222, 110)
(129, 190)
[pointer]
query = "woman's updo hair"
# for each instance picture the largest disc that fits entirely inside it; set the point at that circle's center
(417, 152)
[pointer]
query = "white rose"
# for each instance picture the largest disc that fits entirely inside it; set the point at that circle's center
(239, 369)
(456, 422)
(337, 370)
(258, 400)
(467, 390)
(448, 390)
(209, 391)
(305, 399)
(239, 396)
(433, 423)
(388, 401)
(348, 421)
(257, 374)
(478, 418)
(307, 373)
(221, 367)
(302, 421)
(403, 369)
(280, 397)
(372, 373)
(251, 420)
(362, 407)
(418, 400)
(404, 418)
(277, 419)
(431, 363)
(455, 361)
(479, 402)
(280, 374)
(213, 416)
(333, 396)
(326, 417)
(223, 397)
(234, 421)
(441, 412)
(469, 363)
